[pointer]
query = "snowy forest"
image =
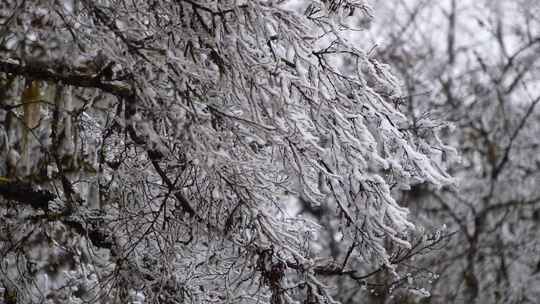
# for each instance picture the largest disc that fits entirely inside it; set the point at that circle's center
(270, 151)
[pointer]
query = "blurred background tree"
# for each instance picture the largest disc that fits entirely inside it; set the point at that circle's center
(475, 64)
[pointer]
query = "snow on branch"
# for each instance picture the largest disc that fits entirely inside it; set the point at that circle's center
(198, 129)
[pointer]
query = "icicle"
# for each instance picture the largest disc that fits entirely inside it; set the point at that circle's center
(68, 144)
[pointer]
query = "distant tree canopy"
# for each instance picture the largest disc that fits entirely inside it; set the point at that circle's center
(200, 151)
(480, 71)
